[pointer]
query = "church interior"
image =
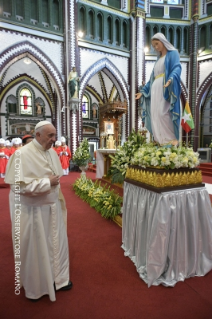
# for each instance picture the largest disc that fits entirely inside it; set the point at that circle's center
(104, 47)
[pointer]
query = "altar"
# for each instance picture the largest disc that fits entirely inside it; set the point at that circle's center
(103, 161)
(167, 235)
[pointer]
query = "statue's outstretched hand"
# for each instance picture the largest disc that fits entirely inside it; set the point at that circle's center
(167, 84)
(138, 95)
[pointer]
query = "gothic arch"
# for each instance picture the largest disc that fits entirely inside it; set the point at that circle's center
(25, 48)
(203, 88)
(117, 78)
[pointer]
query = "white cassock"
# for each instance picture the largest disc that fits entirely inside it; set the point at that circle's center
(39, 210)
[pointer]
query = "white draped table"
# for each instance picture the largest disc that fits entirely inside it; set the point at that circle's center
(167, 235)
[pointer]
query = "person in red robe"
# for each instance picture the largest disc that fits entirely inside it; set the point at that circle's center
(65, 156)
(4, 157)
(27, 139)
(57, 147)
(16, 145)
(8, 145)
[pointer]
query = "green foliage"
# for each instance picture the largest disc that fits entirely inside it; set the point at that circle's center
(122, 159)
(82, 156)
(104, 200)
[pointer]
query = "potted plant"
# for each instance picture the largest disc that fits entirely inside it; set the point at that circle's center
(82, 156)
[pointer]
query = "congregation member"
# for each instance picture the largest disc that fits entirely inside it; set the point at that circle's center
(57, 147)
(4, 157)
(65, 156)
(8, 145)
(15, 145)
(27, 139)
(38, 207)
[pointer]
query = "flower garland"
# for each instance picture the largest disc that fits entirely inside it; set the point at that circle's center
(106, 202)
(168, 158)
(82, 156)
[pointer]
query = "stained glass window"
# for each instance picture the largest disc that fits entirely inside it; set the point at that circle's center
(25, 102)
(85, 107)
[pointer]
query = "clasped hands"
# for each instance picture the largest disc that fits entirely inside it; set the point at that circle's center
(138, 95)
(54, 180)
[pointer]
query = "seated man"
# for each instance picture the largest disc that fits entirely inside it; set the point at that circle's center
(39, 216)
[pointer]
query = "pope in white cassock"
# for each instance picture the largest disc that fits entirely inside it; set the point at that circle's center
(39, 216)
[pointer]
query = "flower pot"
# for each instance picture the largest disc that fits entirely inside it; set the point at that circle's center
(83, 168)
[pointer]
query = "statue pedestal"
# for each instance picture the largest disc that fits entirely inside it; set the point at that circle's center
(74, 105)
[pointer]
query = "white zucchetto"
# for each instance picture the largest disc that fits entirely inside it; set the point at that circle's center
(42, 123)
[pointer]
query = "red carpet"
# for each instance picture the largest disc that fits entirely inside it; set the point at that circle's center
(105, 283)
(206, 169)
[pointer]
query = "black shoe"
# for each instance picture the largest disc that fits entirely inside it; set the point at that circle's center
(34, 300)
(68, 287)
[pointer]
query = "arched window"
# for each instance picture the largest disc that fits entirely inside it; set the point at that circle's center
(12, 104)
(155, 30)
(99, 27)
(91, 24)
(202, 35)
(85, 107)
(117, 32)
(148, 40)
(82, 19)
(163, 30)
(109, 30)
(171, 36)
(125, 34)
(56, 11)
(178, 38)
(25, 99)
(186, 42)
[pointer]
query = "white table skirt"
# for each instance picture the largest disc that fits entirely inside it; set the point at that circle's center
(168, 235)
(99, 164)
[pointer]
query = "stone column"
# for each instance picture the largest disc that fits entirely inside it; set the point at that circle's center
(140, 59)
(193, 72)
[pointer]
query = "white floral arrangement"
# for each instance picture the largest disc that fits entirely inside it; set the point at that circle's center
(149, 155)
(82, 156)
(122, 159)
